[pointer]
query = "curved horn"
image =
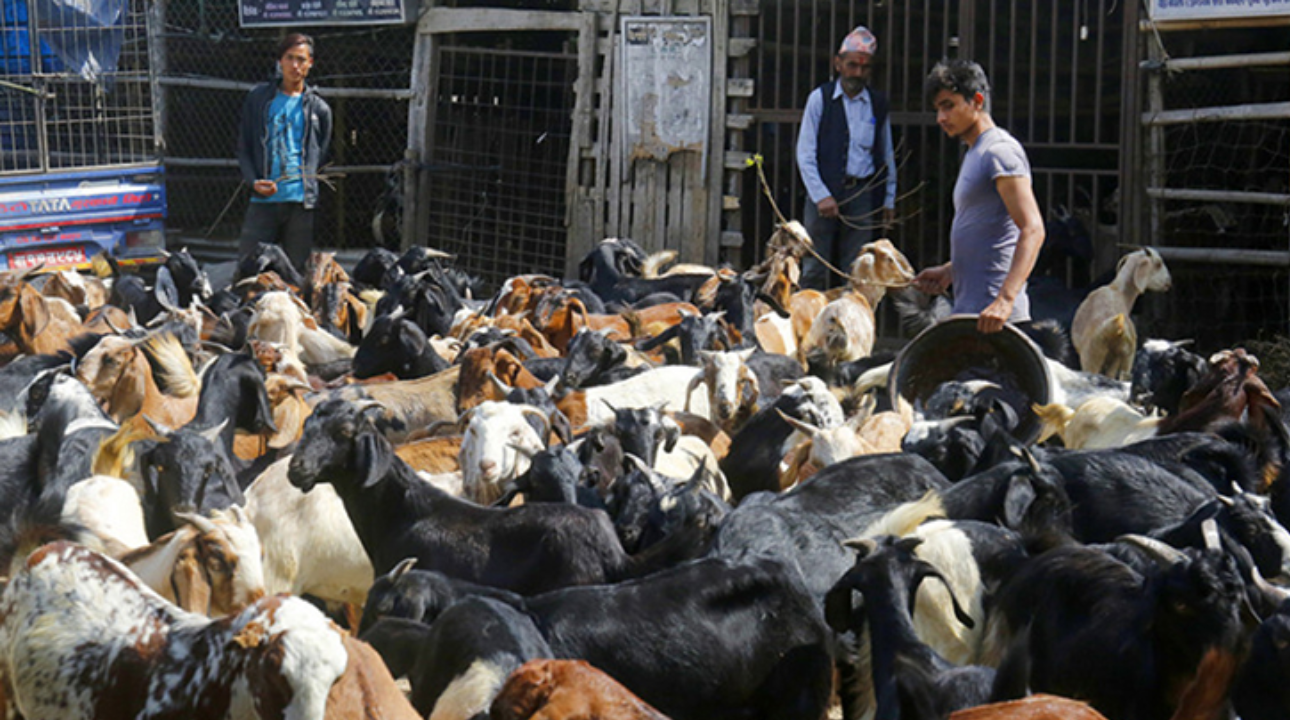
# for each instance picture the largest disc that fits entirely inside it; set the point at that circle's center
(197, 520)
(402, 568)
(212, 434)
(1162, 552)
(803, 427)
(498, 383)
(157, 427)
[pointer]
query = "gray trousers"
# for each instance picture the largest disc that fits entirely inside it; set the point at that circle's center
(289, 223)
(836, 242)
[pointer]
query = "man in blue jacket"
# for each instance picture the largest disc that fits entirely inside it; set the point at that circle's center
(284, 137)
(844, 154)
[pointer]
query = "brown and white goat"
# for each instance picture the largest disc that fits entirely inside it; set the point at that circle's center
(732, 387)
(211, 566)
(119, 375)
(1102, 331)
(845, 329)
(37, 324)
(81, 637)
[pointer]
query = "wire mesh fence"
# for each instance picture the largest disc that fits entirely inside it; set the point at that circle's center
(1223, 187)
(209, 64)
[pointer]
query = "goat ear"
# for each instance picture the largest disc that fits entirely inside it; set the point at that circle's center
(838, 610)
(34, 310)
(671, 434)
(1020, 496)
(1142, 273)
(372, 459)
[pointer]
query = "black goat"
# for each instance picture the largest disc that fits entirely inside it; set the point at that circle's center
(911, 680)
(527, 549)
(395, 344)
(1125, 641)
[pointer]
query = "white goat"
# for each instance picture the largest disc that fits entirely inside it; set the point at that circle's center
(1100, 422)
(109, 508)
(496, 446)
(732, 388)
(310, 545)
(664, 388)
(282, 318)
(1103, 333)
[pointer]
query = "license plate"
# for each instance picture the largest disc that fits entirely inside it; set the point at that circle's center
(25, 259)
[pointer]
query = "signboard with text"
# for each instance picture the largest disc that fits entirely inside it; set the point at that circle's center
(1216, 9)
(266, 13)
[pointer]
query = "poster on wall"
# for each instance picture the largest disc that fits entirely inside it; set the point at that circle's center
(1216, 9)
(268, 13)
(667, 77)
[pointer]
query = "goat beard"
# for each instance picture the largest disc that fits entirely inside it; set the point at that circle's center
(853, 85)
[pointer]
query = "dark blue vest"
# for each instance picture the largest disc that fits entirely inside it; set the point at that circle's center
(834, 138)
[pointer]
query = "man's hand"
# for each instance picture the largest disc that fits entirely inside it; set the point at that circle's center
(264, 188)
(934, 280)
(828, 207)
(888, 218)
(991, 319)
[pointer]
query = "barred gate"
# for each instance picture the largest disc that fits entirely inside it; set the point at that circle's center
(1214, 144)
(206, 65)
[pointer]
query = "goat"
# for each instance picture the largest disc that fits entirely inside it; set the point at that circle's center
(733, 388)
(310, 546)
(38, 325)
(1102, 331)
(108, 507)
(1101, 631)
(186, 469)
(118, 373)
(209, 566)
(407, 405)
(1040, 706)
(568, 689)
(845, 329)
(496, 445)
(1162, 372)
(526, 549)
(1101, 422)
(910, 679)
(131, 654)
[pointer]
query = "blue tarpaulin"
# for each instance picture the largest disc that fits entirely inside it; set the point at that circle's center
(86, 34)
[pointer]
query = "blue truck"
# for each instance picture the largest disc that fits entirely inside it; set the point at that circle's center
(80, 157)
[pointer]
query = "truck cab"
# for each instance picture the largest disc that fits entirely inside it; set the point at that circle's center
(80, 147)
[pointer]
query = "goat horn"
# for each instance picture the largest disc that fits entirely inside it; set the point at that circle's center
(402, 568)
(526, 452)
(197, 520)
(499, 383)
(157, 427)
(862, 543)
(107, 318)
(803, 427)
(1209, 529)
(212, 433)
(1162, 552)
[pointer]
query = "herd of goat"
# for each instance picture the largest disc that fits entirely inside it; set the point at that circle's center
(650, 492)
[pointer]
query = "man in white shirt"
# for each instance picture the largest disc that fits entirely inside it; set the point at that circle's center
(844, 154)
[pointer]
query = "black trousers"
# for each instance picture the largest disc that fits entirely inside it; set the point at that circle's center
(290, 224)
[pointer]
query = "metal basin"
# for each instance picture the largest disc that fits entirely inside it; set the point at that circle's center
(954, 350)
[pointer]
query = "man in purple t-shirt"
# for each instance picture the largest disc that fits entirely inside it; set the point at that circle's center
(997, 229)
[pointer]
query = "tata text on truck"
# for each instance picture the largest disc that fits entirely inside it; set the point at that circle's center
(80, 166)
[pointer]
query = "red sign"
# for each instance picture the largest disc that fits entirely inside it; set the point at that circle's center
(25, 259)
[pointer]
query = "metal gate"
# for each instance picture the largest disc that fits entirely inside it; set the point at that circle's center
(75, 88)
(499, 153)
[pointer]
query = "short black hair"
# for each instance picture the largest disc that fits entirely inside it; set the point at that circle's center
(961, 77)
(294, 39)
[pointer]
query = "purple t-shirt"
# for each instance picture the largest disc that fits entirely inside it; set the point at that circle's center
(983, 236)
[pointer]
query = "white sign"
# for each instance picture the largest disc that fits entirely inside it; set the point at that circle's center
(1216, 9)
(667, 78)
